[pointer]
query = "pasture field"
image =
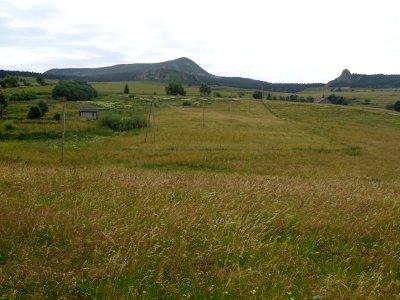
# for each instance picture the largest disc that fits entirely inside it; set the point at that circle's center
(267, 200)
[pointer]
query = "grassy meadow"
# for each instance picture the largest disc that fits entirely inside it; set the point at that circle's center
(226, 198)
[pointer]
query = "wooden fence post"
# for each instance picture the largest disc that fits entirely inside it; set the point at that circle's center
(63, 130)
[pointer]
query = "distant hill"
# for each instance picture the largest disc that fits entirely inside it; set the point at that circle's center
(365, 81)
(182, 69)
(127, 71)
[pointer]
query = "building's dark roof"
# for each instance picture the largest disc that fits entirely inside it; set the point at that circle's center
(88, 110)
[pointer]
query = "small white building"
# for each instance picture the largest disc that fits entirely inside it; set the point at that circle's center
(89, 113)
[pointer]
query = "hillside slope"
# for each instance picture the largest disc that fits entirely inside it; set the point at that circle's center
(182, 69)
(182, 64)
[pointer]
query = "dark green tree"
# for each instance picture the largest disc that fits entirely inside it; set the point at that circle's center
(175, 88)
(257, 95)
(126, 89)
(205, 89)
(74, 90)
(34, 112)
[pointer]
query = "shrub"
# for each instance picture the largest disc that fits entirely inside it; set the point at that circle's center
(25, 82)
(44, 108)
(40, 80)
(367, 101)
(34, 112)
(396, 106)
(23, 96)
(16, 97)
(339, 100)
(187, 103)
(9, 125)
(11, 81)
(57, 117)
(390, 106)
(217, 94)
(257, 95)
(74, 90)
(205, 89)
(310, 99)
(123, 123)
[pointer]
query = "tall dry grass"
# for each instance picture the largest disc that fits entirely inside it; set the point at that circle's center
(119, 233)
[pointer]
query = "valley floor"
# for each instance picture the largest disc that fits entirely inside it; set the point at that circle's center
(267, 200)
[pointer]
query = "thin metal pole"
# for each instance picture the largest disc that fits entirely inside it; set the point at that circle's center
(63, 131)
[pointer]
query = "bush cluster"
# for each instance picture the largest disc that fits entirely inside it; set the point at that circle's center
(339, 100)
(291, 98)
(36, 112)
(9, 81)
(257, 95)
(23, 96)
(175, 88)
(123, 123)
(74, 90)
(394, 106)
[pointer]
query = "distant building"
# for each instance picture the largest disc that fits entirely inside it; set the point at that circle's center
(89, 113)
(343, 89)
(323, 100)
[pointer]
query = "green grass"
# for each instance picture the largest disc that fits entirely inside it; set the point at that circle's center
(157, 89)
(269, 200)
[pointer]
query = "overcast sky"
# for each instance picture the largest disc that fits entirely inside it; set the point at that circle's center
(272, 40)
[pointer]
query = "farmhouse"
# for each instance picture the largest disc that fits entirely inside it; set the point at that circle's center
(89, 113)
